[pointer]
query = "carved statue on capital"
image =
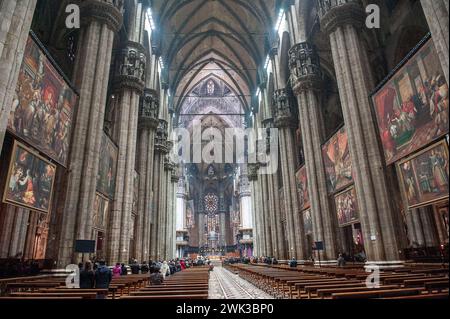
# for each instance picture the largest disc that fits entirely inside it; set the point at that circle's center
(283, 108)
(149, 109)
(304, 63)
(131, 70)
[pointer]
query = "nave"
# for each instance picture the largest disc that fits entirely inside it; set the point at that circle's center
(134, 132)
(230, 280)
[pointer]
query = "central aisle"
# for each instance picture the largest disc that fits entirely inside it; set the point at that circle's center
(225, 285)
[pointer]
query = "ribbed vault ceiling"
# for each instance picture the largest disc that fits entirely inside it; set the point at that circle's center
(226, 39)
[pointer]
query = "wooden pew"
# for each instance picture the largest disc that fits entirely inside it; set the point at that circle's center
(379, 293)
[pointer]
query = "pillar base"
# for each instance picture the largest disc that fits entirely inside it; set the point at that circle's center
(325, 263)
(384, 264)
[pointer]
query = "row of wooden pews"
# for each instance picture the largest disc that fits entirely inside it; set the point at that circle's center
(54, 287)
(342, 283)
(192, 283)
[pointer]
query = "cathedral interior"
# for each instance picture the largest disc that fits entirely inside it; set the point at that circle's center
(115, 132)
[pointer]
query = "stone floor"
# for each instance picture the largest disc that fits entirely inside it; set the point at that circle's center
(225, 285)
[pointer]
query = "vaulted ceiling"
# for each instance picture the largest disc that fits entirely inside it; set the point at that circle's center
(227, 39)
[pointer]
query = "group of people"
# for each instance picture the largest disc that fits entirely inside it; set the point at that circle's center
(99, 275)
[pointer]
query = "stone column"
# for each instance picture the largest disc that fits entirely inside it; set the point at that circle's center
(342, 20)
(128, 84)
(258, 236)
(16, 17)
(307, 79)
(256, 226)
(429, 229)
(174, 179)
(148, 123)
(436, 13)
(266, 216)
(158, 180)
(101, 20)
(285, 119)
(418, 228)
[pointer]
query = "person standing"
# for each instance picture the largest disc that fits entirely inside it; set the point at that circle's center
(117, 270)
(87, 276)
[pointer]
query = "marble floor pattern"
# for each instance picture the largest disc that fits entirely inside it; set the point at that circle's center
(225, 285)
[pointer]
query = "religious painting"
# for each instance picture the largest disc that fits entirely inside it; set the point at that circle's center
(43, 105)
(30, 180)
(307, 222)
(41, 236)
(347, 207)
(302, 188)
(337, 160)
(412, 106)
(106, 179)
(424, 176)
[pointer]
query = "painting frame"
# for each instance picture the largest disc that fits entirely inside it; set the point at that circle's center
(302, 183)
(402, 176)
(308, 222)
(356, 218)
(45, 104)
(409, 105)
(109, 162)
(331, 150)
(12, 163)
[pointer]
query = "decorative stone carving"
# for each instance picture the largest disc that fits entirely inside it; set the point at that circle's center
(106, 11)
(283, 108)
(304, 64)
(131, 67)
(253, 172)
(336, 13)
(149, 109)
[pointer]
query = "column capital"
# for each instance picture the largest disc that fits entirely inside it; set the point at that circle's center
(283, 108)
(109, 12)
(337, 13)
(161, 137)
(304, 63)
(131, 67)
(149, 109)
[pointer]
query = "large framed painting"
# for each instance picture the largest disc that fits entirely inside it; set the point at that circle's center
(307, 222)
(302, 188)
(347, 207)
(43, 106)
(337, 161)
(106, 179)
(412, 106)
(101, 211)
(424, 176)
(30, 180)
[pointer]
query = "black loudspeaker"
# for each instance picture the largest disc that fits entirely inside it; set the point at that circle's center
(85, 246)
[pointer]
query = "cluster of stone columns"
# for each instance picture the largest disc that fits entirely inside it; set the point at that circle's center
(101, 21)
(341, 21)
(284, 115)
(307, 80)
(148, 123)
